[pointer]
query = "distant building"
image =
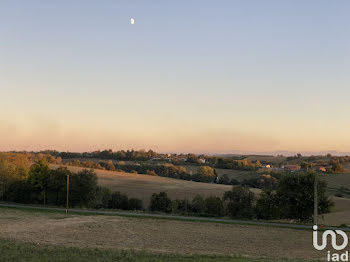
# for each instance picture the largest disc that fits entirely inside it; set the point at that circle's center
(291, 168)
(321, 169)
(201, 160)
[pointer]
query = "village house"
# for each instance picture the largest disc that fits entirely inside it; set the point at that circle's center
(201, 160)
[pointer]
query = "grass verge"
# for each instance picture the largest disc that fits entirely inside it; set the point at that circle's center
(18, 251)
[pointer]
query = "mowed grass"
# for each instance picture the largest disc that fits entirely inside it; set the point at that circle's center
(48, 236)
(33, 252)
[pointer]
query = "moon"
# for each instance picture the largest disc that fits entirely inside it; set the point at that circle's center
(132, 21)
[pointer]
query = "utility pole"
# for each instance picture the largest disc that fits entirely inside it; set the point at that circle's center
(67, 194)
(315, 201)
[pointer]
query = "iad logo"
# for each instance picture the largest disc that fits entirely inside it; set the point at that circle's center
(333, 235)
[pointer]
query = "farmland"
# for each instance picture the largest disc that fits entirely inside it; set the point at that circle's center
(142, 186)
(236, 174)
(110, 234)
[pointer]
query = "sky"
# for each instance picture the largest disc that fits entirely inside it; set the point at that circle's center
(188, 76)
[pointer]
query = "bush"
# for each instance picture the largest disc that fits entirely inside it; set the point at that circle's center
(118, 201)
(135, 204)
(224, 179)
(160, 202)
(151, 173)
(104, 195)
(181, 206)
(234, 182)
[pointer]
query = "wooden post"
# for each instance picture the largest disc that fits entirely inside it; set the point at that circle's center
(315, 201)
(67, 194)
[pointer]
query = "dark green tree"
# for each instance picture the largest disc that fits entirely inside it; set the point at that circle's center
(135, 204)
(267, 206)
(161, 202)
(295, 193)
(198, 205)
(224, 179)
(119, 201)
(39, 174)
(240, 202)
(83, 188)
(214, 206)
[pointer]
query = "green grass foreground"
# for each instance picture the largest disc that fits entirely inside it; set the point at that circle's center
(30, 252)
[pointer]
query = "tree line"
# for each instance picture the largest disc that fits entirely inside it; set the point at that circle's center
(290, 198)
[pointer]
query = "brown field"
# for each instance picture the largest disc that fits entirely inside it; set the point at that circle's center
(143, 186)
(156, 235)
(270, 159)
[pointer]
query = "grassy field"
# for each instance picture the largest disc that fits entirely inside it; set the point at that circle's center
(53, 236)
(340, 214)
(270, 159)
(31, 252)
(337, 180)
(237, 174)
(143, 186)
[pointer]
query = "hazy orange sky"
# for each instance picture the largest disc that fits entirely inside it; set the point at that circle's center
(234, 76)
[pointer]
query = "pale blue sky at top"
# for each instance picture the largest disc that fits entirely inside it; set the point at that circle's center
(199, 76)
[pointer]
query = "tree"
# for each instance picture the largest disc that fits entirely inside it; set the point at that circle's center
(204, 174)
(224, 179)
(118, 201)
(214, 206)
(198, 205)
(22, 192)
(57, 186)
(234, 182)
(295, 193)
(160, 202)
(39, 174)
(181, 206)
(110, 165)
(240, 202)
(267, 206)
(83, 188)
(13, 167)
(336, 167)
(104, 195)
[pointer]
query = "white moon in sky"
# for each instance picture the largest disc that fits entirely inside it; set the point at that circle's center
(132, 21)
